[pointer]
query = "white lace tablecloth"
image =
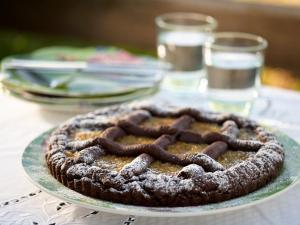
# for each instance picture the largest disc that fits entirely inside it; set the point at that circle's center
(22, 203)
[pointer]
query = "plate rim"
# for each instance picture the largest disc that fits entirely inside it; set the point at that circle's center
(6, 81)
(130, 209)
(76, 101)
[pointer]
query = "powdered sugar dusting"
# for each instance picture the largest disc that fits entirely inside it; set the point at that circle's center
(192, 185)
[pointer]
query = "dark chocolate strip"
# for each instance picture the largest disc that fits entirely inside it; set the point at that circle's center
(244, 145)
(113, 133)
(89, 155)
(210, 137)
(134, 150)
(215, 149)
(164, 140)
(134, 129)
(202, 116)
(241, 145)
(242, 122)
(158, 153)
(218, 142)
(191, 171)
(79, 145)
(207, 117)
(142, 162)
(137, 166)
(207, 163)
(138, 117)
(191, 137)
(182, 123)
(156, 111)
(196, 114)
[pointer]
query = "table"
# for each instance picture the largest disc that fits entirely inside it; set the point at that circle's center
(22, 203)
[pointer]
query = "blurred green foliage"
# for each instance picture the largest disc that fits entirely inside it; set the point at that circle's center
(13, 42)
(17, 43)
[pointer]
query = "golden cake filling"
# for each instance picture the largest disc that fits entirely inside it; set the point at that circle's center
(158, 121)
(71, 154)
(180, 148)
(85, 135)
(132, 140)
(114, 162)
(166, 168)
(204, 127)
(230, 158)
(246, 134)
(183, 148)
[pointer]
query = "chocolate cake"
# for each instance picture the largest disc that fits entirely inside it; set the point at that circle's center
(163, 156)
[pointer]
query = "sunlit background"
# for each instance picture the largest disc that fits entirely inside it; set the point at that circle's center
(29, 25)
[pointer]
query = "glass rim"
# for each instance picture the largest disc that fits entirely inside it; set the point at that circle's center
(261, 44)
(210, 22)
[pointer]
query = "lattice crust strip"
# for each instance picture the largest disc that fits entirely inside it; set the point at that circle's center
(72, 162)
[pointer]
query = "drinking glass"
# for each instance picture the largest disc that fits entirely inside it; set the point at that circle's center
(233, 64)
(180, 40)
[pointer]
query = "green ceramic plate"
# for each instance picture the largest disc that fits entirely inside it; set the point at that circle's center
(80, 85)
(34, 165)
(79, 104)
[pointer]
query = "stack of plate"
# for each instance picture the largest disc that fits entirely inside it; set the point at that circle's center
(78, 90)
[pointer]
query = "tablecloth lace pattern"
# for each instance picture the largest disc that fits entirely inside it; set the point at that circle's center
(39, 208)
